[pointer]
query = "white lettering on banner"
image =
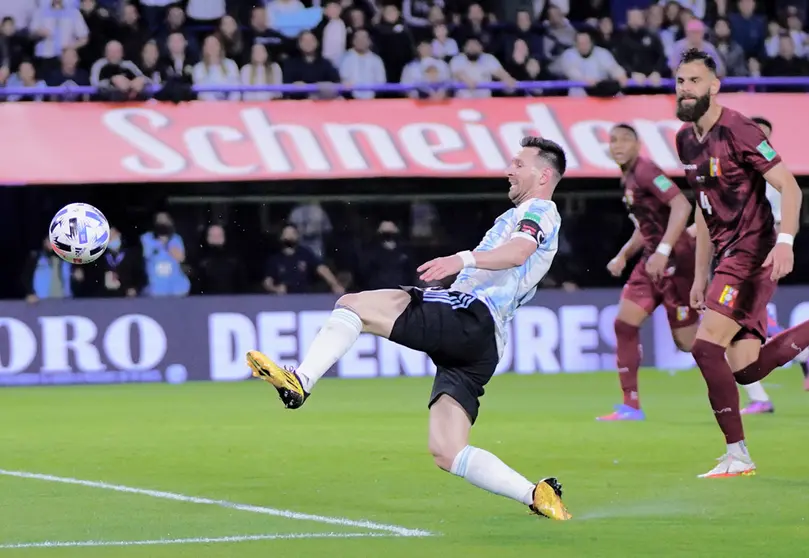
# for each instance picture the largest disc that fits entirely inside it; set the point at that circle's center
(117, 345)
(266, 141)
(394, 358)
(359, 361)
(22, 346)
(416, 140)
(278, 337)
(230, 336)
(378, 139)
(606, 330)
(536, 334)
(199, 142)
(482, 141)
(542, 123)
(58, 344)
(658, 146)
(120, 122)
(587, 135)
(578, 338)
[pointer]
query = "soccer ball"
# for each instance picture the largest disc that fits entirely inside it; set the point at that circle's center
(79, 233)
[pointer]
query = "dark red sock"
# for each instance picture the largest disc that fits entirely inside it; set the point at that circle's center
(776, 352)
(628, 360)
(722, 391)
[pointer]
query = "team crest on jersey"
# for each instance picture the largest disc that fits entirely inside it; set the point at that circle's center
(682, 313)
(728, 296)
(766, 150)
(714, 168)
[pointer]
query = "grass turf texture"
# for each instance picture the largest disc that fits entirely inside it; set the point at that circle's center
(358, 450)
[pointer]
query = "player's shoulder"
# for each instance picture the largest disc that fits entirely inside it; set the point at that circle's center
(646, 166)
(685, 132)
(537, 209)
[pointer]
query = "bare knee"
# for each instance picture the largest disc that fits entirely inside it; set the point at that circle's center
(449, 431)
(352, 301)
(684, 338)
(444, 454)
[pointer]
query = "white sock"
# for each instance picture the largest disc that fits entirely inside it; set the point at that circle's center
(738, 449)
(755, 392)
(802, 357)
(486, 471)
(333, 340)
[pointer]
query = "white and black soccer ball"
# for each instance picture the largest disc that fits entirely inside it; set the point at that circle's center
(79, 233)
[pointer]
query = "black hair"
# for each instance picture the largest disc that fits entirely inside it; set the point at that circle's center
(696, 55)
(7, 19)
(549, 151)
(761, 121)
(628, 127)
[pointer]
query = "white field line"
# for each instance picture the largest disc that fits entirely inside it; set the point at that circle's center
(206, 540)
(391, 529)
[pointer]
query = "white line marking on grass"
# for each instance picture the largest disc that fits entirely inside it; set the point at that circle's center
(394, 529)
(205, 540)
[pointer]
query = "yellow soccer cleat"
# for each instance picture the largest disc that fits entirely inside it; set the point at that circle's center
(548, 500)
(286, 381)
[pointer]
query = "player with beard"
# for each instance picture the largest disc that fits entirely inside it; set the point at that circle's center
(665, 272)
(759, 400)
(727, 160)
(463, 329)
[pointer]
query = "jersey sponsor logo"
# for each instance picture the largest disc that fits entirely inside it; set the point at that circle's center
(766, 150)
(714, 168)
(663, 183)
(728, 296)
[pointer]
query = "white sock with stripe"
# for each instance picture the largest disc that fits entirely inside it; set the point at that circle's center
(485, 470)
(340, 331)
(755, 392)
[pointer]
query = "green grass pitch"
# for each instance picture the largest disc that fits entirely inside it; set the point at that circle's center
(357, 450)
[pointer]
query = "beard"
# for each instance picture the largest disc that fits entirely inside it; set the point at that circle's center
(693, 112)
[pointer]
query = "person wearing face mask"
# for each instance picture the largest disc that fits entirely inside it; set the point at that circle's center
(164, 254)
(218, 271)
(293, 269)
(386, 265)
(118, 273)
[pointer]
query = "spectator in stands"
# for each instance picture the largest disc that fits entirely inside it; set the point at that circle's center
(150, 63)
(394, 43)
(799, 36)
(605, 37)
(474, 26)
(749, 29)
(731, 54)
(16, 44)
(26, 76)
(131, 34)
(177, 65)
(205, 13)
(654, 25)
(102, 28)
(278, 8)
(313, 224)
(695, 7)
(386, 264)
(46, 275)
(310, 67)
(588, 11)
(118, 273)
(333, 33)
(426, 68)
(524, 67)
(357, 19)
(640, 52)
(215, 69)
(593, 65)
(5, 59)
(121, 79)
(154, 11)
(560, 35)
(524, 30)
(786, 64)
(360, 66)
(695, 38)
(232, 41)
(218, 272)
(261, 71)
(260, 33)
(293, 269)
(774, 30)
(175, 23)
(163, 256)
(416, 13)
(56, 27)
(443, 46)
(68, 75)
(19, 11)
(474, 67)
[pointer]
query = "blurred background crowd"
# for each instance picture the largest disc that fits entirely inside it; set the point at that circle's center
(142, 48)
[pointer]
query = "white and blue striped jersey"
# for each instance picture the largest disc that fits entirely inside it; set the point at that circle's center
(506, 290)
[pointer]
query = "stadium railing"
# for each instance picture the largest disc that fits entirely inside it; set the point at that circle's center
(404, 88)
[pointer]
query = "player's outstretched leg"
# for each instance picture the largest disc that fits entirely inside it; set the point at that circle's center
(371, 311)
(449, 444)
(776, 352)
(628, 356)
(714, 335)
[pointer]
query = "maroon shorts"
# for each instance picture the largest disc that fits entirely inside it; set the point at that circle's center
(741, 289)
(673, 291)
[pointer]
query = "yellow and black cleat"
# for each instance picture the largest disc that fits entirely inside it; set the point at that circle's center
(548, 500)
(286, 381)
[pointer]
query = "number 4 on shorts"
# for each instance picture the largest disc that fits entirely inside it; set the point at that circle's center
(705, 204)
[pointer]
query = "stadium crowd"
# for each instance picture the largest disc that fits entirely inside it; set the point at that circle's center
(123, 47)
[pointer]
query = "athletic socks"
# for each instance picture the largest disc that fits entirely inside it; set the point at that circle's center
(755, 392)
(340, 331)
(778, 351)
(722, 391)
(485, 470)
(628, 360)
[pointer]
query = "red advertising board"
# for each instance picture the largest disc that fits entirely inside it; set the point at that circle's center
(204, 141)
